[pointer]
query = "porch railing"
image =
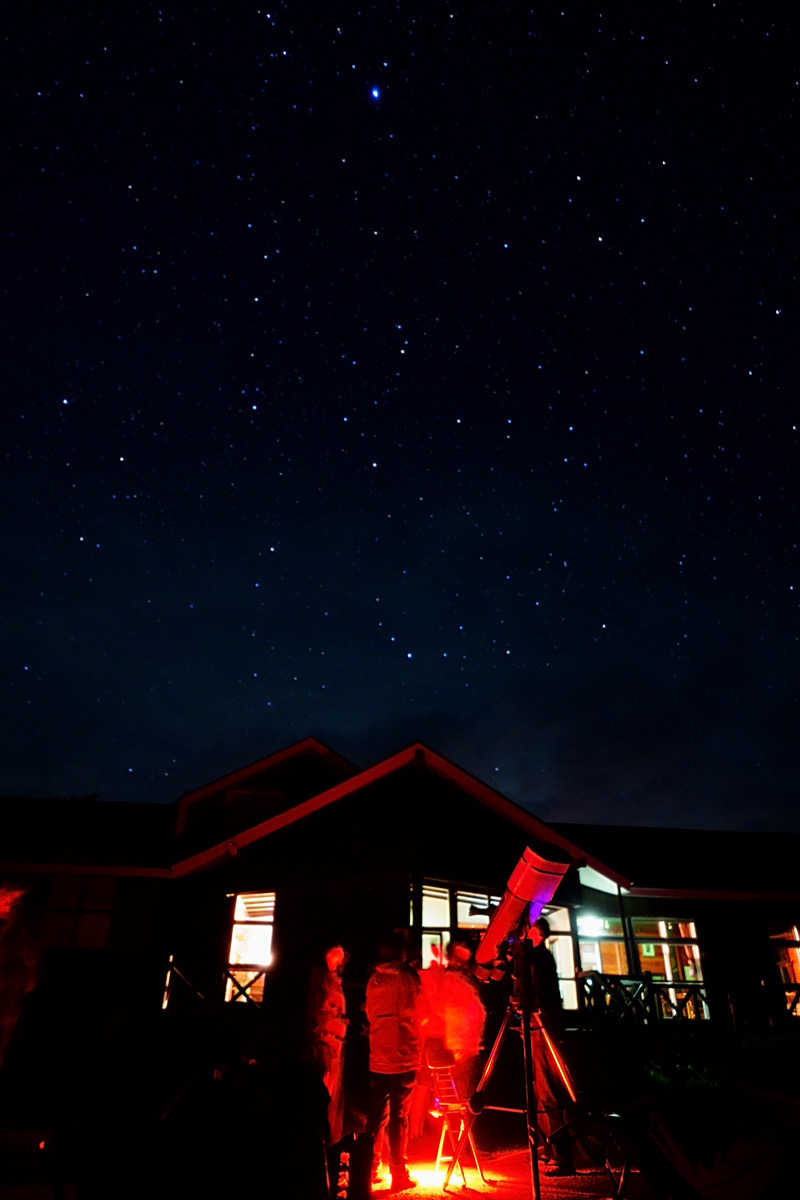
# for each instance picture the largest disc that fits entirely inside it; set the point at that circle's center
(641, 1000)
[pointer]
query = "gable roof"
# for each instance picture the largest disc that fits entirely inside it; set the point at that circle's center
(87, 836)
(417, 753)
(298, 797)
(262, 771)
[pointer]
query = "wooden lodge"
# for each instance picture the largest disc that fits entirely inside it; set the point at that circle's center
(115, 917)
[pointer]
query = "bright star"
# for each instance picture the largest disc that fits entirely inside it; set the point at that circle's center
(375, 93)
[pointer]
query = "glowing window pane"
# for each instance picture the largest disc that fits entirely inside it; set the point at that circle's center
(786, 946)
(472, 910)
(562, 951)
(666, 961)
(613, 958)
(254, 906)
(569, 993)
(652, 928)
(557, 919)
(435, 906)
(598, 927)
(787, 955)
(251, 944)
(607, 957)
(433, 949)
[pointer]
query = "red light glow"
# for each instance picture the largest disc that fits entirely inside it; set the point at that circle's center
(8, 898)
(426, 1177)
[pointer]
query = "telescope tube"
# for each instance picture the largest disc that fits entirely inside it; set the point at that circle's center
(533, 882)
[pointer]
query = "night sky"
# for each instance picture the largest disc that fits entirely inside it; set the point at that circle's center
(404, 372)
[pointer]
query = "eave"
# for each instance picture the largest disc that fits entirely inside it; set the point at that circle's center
(230, 846)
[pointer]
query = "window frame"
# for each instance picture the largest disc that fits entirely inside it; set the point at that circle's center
(451, 931)
(454, 931)
(672, 995)
(603, 937)
(790, 987)
(237, 989)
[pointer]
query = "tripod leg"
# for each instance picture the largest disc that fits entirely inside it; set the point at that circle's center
(556, 1059)
(530, 1101)
(493, 1053)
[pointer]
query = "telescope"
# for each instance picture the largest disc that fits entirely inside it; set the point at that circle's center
(531, 885)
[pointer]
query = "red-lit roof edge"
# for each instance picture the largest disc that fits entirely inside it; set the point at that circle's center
(436, 762)
(234, 778)
(387, 766)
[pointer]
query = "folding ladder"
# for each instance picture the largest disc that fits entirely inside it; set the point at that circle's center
(451, 1108)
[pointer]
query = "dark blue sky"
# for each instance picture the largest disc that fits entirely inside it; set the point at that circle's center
(464, 412)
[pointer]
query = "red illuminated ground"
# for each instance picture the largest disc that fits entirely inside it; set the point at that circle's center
(509, 1177)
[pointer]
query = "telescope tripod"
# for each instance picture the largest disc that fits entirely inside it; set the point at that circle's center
(518, 1018)
(594, 1133)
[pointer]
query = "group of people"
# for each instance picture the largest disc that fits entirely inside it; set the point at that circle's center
(411, 1015)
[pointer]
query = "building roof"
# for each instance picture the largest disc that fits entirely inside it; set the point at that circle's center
(699, 862)
(249, 805)
(421, 755)
(86, 831)
(216, 820)
(251, 794)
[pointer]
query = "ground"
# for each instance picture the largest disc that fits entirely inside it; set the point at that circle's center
(509, 1176)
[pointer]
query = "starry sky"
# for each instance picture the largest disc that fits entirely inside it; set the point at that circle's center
(404, 371)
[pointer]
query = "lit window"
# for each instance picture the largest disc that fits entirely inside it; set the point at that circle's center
(434, 946)
(669, 953)
(473, 909)
(602, 945)
(436, 924)
(668, 949)
(787, 949)
(557, 919)
(250, 953)
(560, 946)
(786, 946)
(435, 906)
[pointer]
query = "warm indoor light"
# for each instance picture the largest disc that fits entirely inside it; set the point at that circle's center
(250, 946)
(591, 927)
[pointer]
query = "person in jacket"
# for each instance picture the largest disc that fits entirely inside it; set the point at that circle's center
(328, 1029)
(456, 1016)
(464, 1017)
(394, 1013)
